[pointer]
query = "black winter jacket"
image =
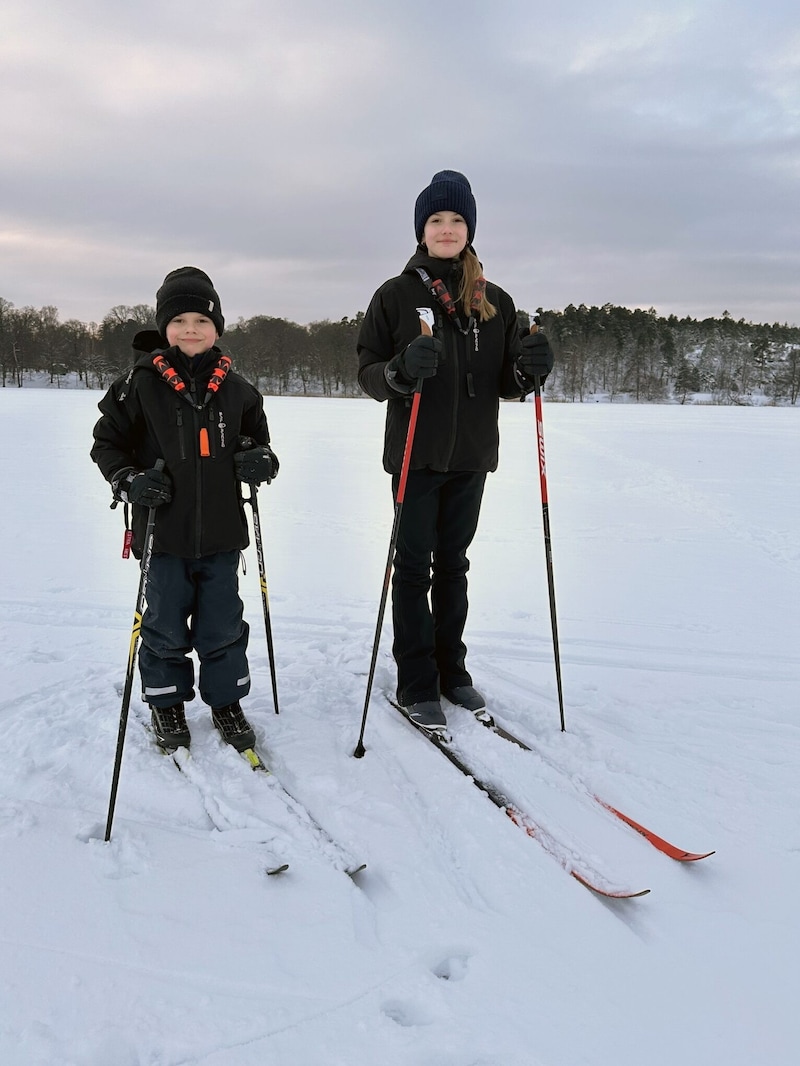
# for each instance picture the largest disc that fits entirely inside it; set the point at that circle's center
(144, 419)
(458, 412)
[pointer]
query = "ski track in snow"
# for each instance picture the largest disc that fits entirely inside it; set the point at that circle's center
(646, 480)
(463, 943)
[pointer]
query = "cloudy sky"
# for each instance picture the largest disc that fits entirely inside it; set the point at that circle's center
(629, 152)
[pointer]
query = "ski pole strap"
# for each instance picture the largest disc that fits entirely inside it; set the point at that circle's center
(478, 292)
(169, 373)
(175, 381)
(218, 376)
(440, 292)
(127, 539)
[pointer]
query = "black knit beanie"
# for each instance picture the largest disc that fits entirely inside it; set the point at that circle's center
(448, 191)
(187, 289)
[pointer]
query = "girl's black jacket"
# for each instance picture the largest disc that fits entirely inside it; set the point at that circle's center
(145, 419)
(458, 412)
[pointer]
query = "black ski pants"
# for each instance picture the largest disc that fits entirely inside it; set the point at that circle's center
(429, 586)
(194, 604)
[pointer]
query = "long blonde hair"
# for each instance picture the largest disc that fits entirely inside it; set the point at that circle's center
(471, 272)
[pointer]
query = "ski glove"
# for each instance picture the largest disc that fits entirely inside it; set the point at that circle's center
(256, 465)
(419, 360)
(536, 359)
(150, 488)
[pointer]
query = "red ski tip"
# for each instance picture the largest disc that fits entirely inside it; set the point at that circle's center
(658, 842)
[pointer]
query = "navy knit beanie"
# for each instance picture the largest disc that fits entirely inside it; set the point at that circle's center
(187, 289)
(448, 191)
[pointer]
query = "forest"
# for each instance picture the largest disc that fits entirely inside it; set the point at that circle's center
(604, 353)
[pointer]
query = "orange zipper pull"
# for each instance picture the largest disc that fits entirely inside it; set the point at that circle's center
(204, 448)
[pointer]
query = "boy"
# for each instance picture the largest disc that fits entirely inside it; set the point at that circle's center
(180, 402)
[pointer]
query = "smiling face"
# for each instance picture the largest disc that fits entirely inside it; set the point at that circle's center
(445, 235)
(192, 333)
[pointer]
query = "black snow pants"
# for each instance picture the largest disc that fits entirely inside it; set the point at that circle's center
(429, 587)
(194, 604)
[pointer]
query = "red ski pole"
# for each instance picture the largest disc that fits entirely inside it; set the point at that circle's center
(398, 510)
(548, 552)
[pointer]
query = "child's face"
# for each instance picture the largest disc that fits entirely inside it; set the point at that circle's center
(445, 235)
(192, 333)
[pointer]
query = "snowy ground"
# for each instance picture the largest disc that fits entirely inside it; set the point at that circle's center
(677, 563)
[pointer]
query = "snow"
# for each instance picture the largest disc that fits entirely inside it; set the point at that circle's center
(677, 567)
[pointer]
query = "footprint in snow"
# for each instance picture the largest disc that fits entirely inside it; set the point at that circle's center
(453, 968)
(407, 1014)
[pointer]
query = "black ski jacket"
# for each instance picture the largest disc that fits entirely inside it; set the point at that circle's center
(145, 419)
(458, 413)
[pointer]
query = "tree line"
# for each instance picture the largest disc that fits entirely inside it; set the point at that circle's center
(640, 355)
(608, 352)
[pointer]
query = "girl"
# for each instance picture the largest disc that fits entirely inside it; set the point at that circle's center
(474, 358)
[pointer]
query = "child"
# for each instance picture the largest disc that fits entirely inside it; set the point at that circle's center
(181, 403)
(474, 358)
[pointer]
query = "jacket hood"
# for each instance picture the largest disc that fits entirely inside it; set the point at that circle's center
(149, 340)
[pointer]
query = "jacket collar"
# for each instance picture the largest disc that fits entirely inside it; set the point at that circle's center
(149, 342)
(445, 269)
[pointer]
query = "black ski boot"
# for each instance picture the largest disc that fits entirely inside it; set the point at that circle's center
(233, 726)
(170, 728)
(466, 696)
(428, 715)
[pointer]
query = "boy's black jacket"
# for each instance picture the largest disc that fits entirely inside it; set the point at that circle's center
(455, 430)
(144, 419)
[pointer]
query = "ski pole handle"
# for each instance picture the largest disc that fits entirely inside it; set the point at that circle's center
(537, 384)
(244, 445)
(426, 331)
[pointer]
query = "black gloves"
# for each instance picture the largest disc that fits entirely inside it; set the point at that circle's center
(150, 488)
(257, 464)
(419, 360)
(536, 359)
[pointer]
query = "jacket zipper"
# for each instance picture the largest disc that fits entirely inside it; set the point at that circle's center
(456, 376)
(181, 437)
(197, 419)
(471, 346)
